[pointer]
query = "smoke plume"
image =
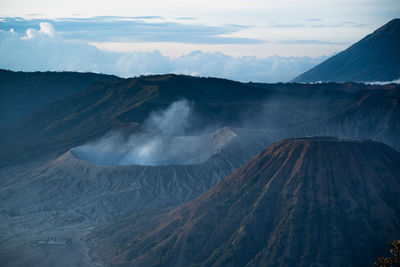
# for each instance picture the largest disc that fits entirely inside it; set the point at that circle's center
(162, 142)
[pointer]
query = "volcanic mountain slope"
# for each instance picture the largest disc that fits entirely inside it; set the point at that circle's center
(88, 115)
(103, 192)
(105, 106)
(300, 202)
(374, 58)
(22, 93)
(66, 196)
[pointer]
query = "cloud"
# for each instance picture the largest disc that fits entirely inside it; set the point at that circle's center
(271, 69)
(384, 83)
(134, 29)
(286, 26)
(313, 25)
(46, 29)
(45, 49)
(312, 42)
(186, 18)
(314, 19)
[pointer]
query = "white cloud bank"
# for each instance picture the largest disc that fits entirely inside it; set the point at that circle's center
(44, 49)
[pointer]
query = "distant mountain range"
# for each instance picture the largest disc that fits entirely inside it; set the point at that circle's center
(374, 58)
(300, 202)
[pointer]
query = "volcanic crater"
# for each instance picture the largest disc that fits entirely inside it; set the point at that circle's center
(154, 149)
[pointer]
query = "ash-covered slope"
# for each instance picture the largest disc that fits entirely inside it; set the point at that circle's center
(66, 196)
(374, 58)
(103, 192)
(300, 202)
(375, 116)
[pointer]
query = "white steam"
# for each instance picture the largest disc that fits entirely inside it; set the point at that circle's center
(172, 121)
(161, 143)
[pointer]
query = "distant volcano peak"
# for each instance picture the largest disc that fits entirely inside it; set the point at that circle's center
(376, 57)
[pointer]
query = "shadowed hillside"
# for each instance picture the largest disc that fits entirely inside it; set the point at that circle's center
(22, 93)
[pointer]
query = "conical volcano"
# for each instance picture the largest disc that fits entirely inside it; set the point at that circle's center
(376, 57)
(300, 202)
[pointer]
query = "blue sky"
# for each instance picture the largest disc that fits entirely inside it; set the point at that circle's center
(258, 40)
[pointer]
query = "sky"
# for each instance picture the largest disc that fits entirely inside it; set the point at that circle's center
(245, 40)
